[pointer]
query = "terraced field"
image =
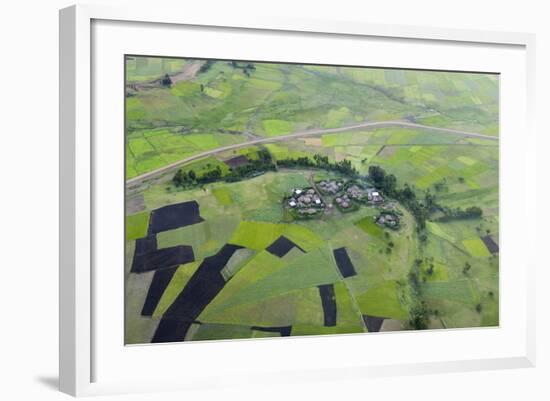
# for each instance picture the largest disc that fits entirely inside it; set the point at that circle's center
(242, 265)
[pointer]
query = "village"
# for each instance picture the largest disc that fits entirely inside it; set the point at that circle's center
(343, 195)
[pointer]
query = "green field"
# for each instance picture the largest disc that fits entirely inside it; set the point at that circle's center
(435, 265)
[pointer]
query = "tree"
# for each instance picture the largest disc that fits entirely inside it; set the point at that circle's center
(389, 184)
(430, 270)
(407, 193)
(206, 66)
(178, 178)
(377, 175)
(466, 268)
(166, 81)
(192, 175)
(429, 199)
(418, 317)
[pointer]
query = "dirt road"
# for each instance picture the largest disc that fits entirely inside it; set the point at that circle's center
(301, 134)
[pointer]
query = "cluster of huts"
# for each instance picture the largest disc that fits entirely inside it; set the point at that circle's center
(304, 199)
(374, 196)
(346, 195)
(343, 201)
(353, 191)
(388, 220)
(330, 187)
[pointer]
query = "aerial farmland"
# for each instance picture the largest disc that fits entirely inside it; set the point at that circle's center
(279, 200)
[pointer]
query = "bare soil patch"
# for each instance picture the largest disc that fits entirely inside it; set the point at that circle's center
(282, 246)
(284, 331)
(171, 330)
(201, 289)
(135, 204)
(391, 325)
(188, 73)
(490, 243)
(160, 281)
(373, 323)
(313, 141)
(174, 216)
(328, 300)
(162, 258)
(237, 161)
(386, 151)
(344, 262)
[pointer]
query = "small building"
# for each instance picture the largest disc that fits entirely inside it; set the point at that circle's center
(292, 203)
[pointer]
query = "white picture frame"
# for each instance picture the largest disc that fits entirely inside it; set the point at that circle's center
(80, 214)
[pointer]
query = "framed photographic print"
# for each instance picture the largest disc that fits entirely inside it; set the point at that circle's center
(308, 191)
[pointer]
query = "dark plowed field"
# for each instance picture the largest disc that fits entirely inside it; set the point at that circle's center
(145, 245)
(237, 161)
(202, 287)
(282, 246)
(171, 331)
(344, 262)
(160, 281)
(490, 243)
(328, 301)
(162, 258)
(174, 216)
(373, 323)
(284, 331)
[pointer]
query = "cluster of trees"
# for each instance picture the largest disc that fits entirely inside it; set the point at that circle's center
(206, 66)
(419, 314)
(189, 178)
(257, 166)
(322, 162)
(420, 209)
(472, 212)
(184, 178)
(387, 183)
(246, 68)
(262, 164)
(441, 186)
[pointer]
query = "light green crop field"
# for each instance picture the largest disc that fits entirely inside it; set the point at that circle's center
(140, 69)
(436, 266)
(136, 225)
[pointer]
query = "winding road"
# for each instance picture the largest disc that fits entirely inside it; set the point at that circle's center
(301, 134)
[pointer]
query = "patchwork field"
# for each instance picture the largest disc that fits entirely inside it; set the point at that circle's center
(227, 102)
(221, 253)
